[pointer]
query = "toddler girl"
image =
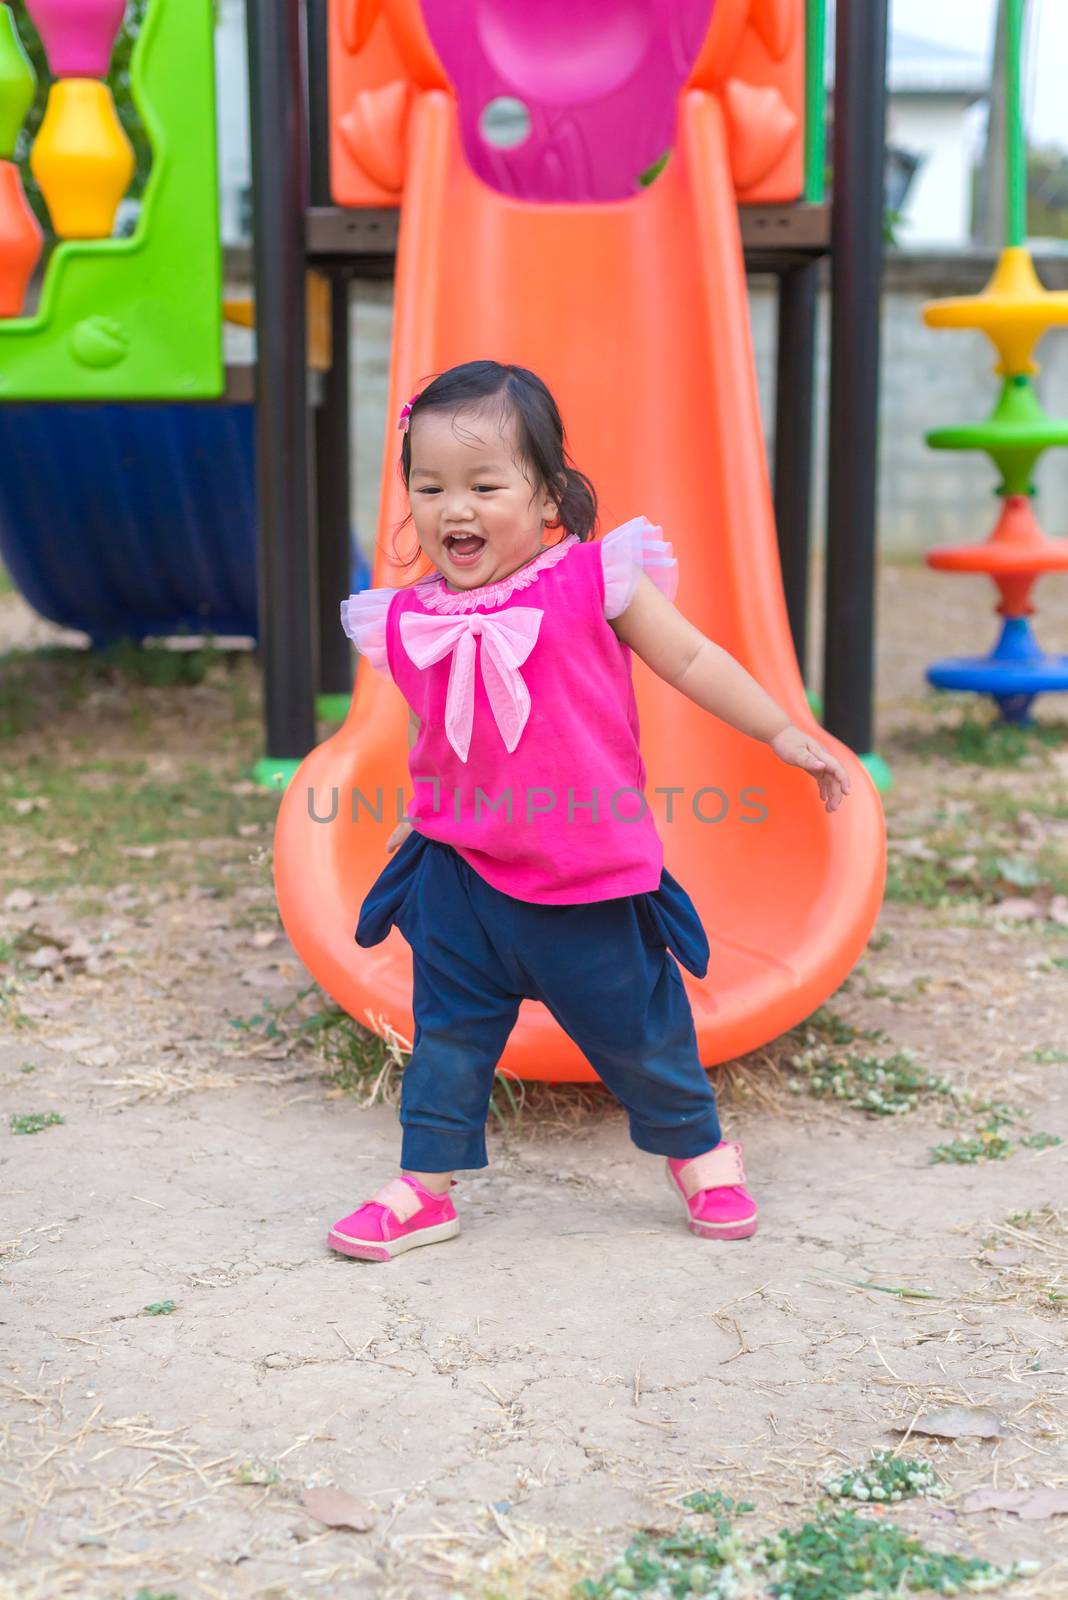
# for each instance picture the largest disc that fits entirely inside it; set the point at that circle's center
(528, 863)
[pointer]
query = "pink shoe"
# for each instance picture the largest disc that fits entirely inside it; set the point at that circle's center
(710, 1186)
(401, 1215)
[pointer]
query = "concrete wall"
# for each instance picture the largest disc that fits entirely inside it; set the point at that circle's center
(929, 380)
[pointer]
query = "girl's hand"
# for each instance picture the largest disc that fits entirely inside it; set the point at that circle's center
(398, 836)
(801, 750)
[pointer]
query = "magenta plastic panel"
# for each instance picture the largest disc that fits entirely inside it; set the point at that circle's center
(599, 81)
(78, 35)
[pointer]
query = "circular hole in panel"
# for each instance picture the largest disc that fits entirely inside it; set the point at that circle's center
(505, 122)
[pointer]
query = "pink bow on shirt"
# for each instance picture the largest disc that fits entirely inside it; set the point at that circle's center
(508, 637)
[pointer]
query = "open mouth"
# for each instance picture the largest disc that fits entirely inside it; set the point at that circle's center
(464, 549)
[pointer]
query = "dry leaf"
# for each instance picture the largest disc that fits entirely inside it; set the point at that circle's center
(958, 1422)
(264, 937)
(1005, 1258)
(338, 1509)
(20, 900)
(103, 1055)
(1033, 1505)
(915, 849)
(46, 956)
(144, 852)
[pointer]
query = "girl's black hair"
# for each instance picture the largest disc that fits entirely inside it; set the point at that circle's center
(539, 433)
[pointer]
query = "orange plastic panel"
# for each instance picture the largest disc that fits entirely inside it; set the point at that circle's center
(666, 421)
(759, 44)
(20, 241)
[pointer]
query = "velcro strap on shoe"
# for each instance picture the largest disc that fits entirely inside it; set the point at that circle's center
(716, 1169)
(400, 1197)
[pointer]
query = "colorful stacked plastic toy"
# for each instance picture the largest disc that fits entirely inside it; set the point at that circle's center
(117, 318)
(81, 158)
(20, 233)
(1014, 311)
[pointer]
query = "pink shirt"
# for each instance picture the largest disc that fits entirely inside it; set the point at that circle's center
(528, 760)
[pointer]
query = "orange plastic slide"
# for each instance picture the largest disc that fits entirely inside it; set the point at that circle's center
(635, 312)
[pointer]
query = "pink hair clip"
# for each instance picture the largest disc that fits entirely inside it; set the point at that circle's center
(406, 411)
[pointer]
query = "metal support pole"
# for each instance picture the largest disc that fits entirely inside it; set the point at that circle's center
(333, 451)
(287, 535)
(856, 272)
(794, 384)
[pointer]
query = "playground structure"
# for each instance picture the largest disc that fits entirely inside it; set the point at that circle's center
(788, 904)
(746, 124)
(1014, 311)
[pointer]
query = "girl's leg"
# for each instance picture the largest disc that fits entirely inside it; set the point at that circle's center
(623, 1002)
(464, 1015)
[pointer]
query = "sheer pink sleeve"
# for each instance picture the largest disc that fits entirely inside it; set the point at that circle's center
(628, 551)
(363, 617)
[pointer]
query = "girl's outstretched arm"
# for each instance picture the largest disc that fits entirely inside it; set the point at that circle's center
(711, 677)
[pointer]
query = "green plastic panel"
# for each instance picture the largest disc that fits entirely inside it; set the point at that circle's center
(17, 83)
(141, 318)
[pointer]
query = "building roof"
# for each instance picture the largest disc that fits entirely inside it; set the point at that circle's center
(920, 66)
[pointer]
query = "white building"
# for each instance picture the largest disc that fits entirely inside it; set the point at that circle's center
(935, 116)
(231, 94)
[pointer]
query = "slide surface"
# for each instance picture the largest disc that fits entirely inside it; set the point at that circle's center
(635, 312)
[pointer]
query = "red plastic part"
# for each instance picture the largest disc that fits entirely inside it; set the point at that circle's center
(1016, 554)
(20, 241)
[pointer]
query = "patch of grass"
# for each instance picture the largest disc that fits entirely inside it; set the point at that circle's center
(100, 822)
(834, 1555)
(893, 1085)
(966, 1152)
(981, 739)
(982, 850)
(987, 875)
(839, 1554)
(35, 684)
(986, 1141)
(1041, 1141)
(886, 1477)
(257, 1472)
(1047, 1056)
(880, 1086)
(33, 1121)
(159, 1308)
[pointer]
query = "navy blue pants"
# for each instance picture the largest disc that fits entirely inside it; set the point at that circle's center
(604, 970)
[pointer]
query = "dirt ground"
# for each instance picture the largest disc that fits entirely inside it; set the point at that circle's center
(508, 1408)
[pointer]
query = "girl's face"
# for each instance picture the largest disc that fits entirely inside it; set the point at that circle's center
(475, 513)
